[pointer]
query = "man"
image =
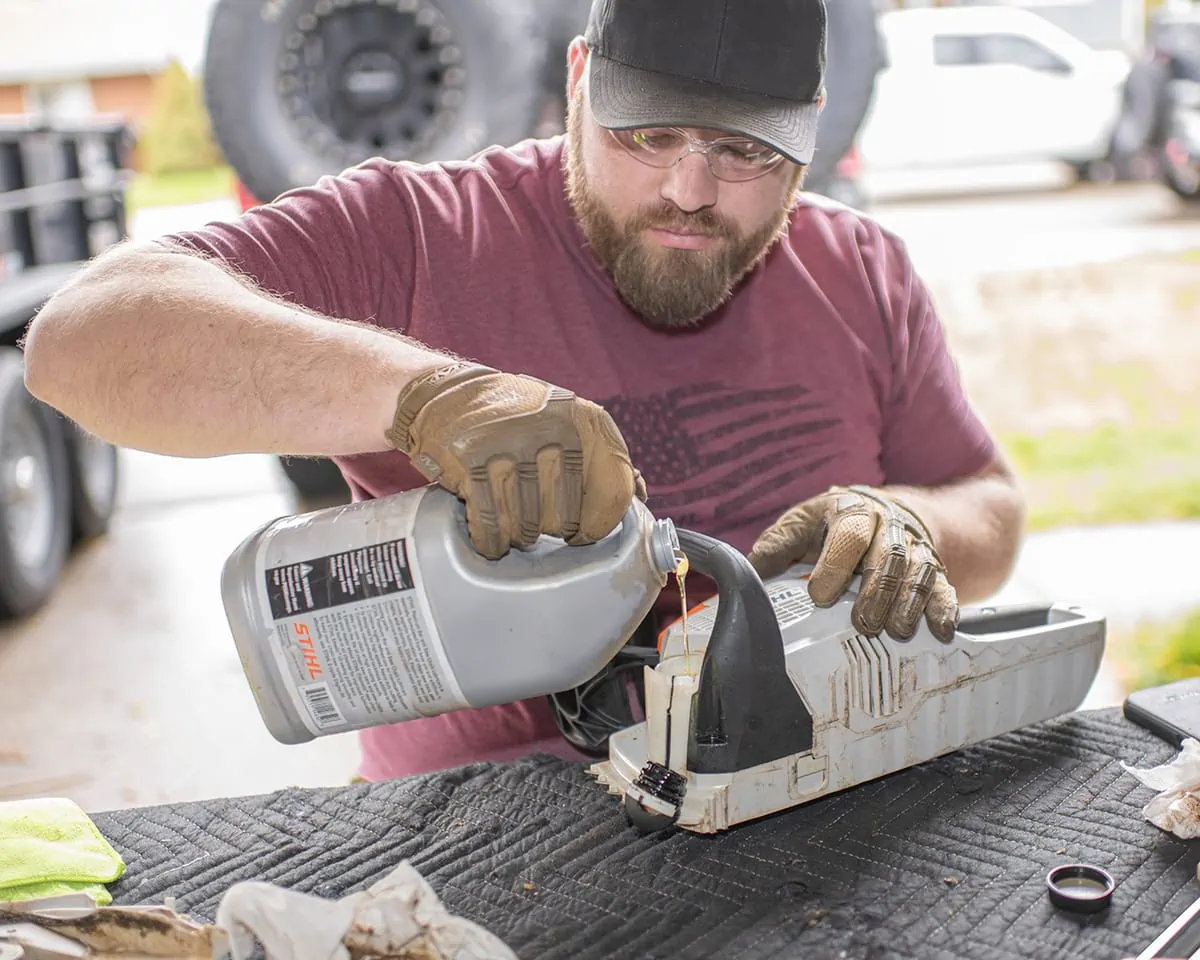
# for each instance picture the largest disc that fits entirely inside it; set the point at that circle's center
(648, 306)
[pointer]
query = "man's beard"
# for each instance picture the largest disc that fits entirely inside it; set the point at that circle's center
(668, 288)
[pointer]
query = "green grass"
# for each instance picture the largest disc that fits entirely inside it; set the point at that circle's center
(1140, 464)
(1157, 652)
(1127, 473)
(192, 186)
(1143, 466)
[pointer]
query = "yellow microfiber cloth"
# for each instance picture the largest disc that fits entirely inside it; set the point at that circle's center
(49, 847)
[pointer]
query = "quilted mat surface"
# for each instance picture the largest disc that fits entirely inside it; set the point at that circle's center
(947, 860)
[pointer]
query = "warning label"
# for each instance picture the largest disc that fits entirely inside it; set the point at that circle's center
(339, 578)
(375, 661)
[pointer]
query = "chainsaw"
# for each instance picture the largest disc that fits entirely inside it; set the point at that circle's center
(771, 701)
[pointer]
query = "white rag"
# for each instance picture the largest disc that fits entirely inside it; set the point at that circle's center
(399, 917)
(1176, 807)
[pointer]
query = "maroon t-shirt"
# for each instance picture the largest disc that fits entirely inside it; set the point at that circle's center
(829, 365)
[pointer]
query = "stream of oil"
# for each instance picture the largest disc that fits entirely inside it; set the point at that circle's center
(681, 571)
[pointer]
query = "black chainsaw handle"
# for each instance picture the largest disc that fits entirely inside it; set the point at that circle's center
(746, 710)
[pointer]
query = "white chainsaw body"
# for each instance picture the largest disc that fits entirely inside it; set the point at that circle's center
(878, 705)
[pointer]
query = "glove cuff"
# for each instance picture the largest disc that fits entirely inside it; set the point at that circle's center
(423, 388)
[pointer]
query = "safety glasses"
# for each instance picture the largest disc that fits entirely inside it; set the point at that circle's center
(733, 159)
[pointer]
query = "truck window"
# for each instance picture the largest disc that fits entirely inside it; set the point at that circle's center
(953, 50)
(1007, 48)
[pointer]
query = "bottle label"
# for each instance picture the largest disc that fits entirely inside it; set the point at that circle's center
(354, 637)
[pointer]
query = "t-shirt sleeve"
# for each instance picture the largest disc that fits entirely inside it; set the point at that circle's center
(343, 247)
(931, 432)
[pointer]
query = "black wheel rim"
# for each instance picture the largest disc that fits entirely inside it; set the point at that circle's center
(27, 488)
(362, 78)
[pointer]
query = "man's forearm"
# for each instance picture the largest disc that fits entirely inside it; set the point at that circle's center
(976, 525)
(162, 351)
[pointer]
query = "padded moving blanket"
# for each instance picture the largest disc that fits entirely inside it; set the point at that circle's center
(946, 860)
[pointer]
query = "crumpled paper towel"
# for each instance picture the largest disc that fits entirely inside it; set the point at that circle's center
(400, 916)
(1176, 808)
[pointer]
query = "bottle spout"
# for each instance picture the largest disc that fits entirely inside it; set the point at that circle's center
(664, 547)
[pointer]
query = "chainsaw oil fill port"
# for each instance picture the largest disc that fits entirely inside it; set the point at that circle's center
(983, 621)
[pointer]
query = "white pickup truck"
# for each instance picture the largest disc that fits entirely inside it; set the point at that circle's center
(975, 85)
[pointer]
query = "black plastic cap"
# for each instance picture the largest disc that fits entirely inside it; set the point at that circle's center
(1080, 888)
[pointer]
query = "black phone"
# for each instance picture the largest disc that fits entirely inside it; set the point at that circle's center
(1170, 711)
(1181, 939)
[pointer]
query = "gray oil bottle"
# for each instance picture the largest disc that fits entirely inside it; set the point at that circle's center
(381, 611)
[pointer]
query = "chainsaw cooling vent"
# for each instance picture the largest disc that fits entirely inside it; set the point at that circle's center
(873, 677)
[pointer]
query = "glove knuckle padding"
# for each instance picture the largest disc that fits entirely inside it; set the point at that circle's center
(528, 457)
(483, 523)
(914, 593)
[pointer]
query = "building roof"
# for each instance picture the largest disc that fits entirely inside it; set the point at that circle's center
(57, 40)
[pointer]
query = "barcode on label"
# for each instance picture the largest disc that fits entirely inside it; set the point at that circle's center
(321, 706)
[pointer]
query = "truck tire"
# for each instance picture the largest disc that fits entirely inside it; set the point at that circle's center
(1181, 175)
(315, 479)
(35, 494)
(297, 89)
(854, 57)
(94, 473)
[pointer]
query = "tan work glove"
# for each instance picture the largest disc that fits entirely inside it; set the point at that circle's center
(527, 457)
(858, 529)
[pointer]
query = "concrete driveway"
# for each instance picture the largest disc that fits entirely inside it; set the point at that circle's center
(127, 689)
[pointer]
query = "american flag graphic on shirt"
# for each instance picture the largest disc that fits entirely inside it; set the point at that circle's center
(736, 456)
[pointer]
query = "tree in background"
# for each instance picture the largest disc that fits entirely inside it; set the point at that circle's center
(177, 136)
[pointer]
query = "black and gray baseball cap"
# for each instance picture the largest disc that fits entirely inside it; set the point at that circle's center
(751, 68)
